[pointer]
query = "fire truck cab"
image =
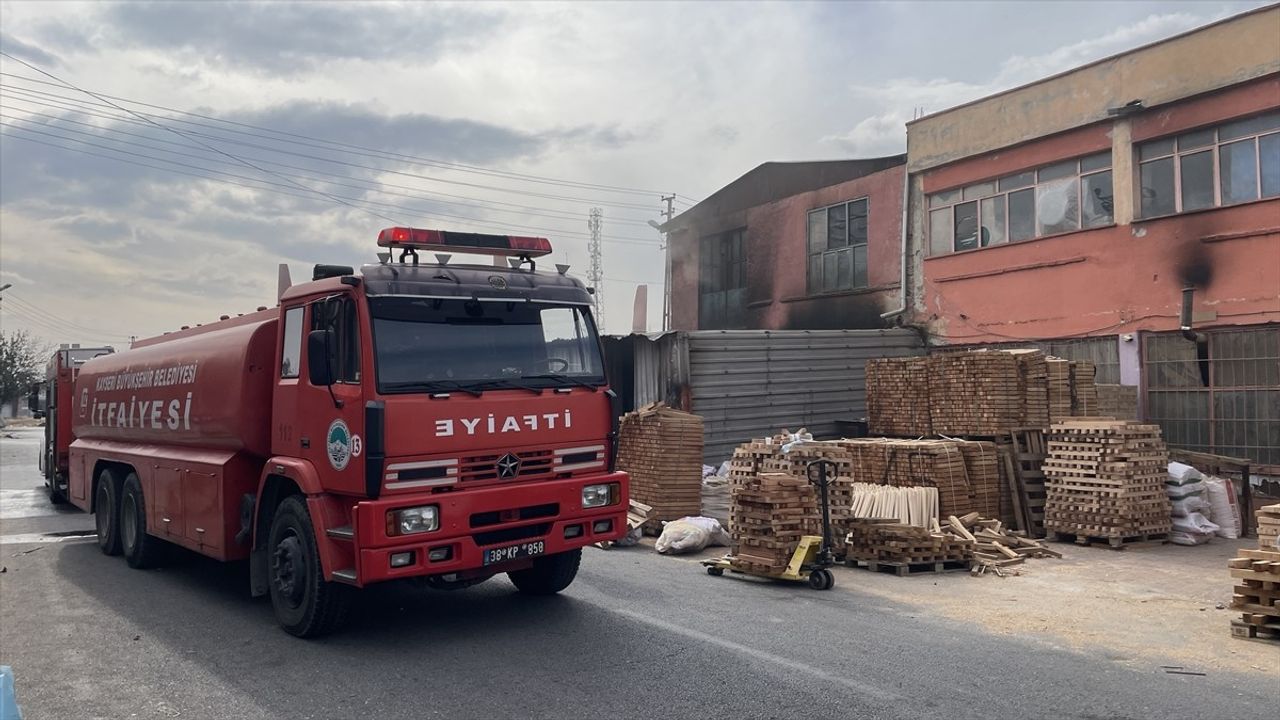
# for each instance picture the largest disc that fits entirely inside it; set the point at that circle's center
(433, 420)
(53, 399)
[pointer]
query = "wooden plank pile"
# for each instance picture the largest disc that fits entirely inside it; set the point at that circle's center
(903, 549)
(795, 461)
(1268, 524)
(1256, 594)
(770, 513)
(898, 396)
(1058, 376)
(995, 548)
(913, 463)
(1105, 482)
(1118, 401)
(1084, 393)
(982, 466)
(1033, 379)
(975, 393)
(661, 448)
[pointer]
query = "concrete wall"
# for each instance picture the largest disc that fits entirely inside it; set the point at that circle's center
(1204, 60)
(777, 259)
(1118, 279)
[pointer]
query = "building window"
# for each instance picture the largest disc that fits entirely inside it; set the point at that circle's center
(838, 247)
(1053, 199)
(722, 281)
(1224, 165)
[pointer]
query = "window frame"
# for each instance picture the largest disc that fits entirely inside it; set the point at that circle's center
(722, 271)
(1214, 147)
(816, 286)
(290, 314)
(349, 313)
(945, 202)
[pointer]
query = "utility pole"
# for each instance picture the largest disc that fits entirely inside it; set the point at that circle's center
(668, 213)
(595, 273)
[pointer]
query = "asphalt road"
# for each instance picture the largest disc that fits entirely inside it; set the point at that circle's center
(637, 636)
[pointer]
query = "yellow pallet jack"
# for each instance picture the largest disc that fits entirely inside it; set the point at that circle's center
(812, 557)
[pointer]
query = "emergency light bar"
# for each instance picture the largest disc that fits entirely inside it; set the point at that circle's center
(440, 240)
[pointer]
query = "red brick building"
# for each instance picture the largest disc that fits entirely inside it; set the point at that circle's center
(805, 245)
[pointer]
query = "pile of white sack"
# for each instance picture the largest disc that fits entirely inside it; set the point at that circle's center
(691, 534)
(1201, 506)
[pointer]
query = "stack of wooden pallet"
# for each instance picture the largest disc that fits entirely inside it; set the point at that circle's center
(795, 461)
(898, 396)
(994, 547)
(1058, 375)
(887, 544)
(975, 393)
(1118, 401)
(770, 513)
(1105, 482)
(661, 448)
(1268, 527)
(1084, 393)
(1257, 576)
(1022, 497)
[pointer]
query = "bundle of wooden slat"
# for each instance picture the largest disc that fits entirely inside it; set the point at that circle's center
(982, 466)
(873, 542)
(770, 514)
(1268, 525)
(1117, 401)
(916, 463)
(916, 506)
(1256, 594)
(1058, 375)
(1105, 482)
(1084, 393)
(661, 448)
(975, 393)
(898, 396)
(1033, 379)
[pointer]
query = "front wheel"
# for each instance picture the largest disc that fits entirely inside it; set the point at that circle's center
(549, 575)
(305, 603)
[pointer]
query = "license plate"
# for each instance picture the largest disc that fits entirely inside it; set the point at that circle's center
(514, 552)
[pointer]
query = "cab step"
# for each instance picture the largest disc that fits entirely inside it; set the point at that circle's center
(342, 533)
(345, 576)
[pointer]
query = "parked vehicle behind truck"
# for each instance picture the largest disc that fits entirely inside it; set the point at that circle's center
(430, 420)
(53, 399)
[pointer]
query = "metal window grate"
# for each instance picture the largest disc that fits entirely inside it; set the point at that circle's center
(1221, 397)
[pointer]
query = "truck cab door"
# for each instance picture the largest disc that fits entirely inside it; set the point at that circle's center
(323, 424)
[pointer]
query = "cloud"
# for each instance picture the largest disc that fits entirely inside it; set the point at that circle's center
(28, 52)
(291, 38)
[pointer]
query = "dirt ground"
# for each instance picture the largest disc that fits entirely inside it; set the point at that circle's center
(1167, 605)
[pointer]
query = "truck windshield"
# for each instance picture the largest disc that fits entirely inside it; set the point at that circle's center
(429, 344)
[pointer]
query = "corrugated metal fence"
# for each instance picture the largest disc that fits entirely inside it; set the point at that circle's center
(751, 383)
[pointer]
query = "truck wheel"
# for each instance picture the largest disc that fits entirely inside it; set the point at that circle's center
(305, 604)
(140, 549)
(549, 575)
(56, 496)
(106, 512)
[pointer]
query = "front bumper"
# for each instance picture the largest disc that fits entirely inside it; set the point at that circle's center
(474, 520)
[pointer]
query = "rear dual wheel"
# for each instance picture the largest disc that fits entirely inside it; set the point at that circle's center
(140, 549)
(106, 512)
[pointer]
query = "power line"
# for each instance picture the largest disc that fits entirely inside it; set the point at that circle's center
(376, 184)
(417, 159)
(331, 145)
(354, 202)
(30, 307)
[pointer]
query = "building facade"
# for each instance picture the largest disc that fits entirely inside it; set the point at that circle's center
(1073, 212)
(806, 245)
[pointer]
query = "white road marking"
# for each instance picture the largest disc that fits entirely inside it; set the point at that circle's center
(37, 538)
(858, 687)
(25, 503)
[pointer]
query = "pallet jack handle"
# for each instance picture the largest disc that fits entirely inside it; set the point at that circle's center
(817, 475)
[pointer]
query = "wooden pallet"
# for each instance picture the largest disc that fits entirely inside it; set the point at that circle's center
(1115, 543)
(1246, 630)
(912, 568)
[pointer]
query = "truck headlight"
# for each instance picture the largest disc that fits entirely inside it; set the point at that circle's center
(594, 496)
(409, 521)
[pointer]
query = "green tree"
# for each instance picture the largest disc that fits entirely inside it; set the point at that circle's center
(21, 360)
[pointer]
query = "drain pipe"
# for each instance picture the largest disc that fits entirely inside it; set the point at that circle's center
(1188, 293)
(902, 277)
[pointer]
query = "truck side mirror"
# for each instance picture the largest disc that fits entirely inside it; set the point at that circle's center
(320, 357)
(33, 398)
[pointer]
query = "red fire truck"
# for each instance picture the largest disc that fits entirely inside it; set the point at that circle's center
(53, 399)
(419, 419)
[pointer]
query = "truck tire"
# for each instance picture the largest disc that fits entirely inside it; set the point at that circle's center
(306, 605)
(549, 575)
(140, 549)
(106, 512)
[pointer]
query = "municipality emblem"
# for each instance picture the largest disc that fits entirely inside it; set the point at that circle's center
(338, 444)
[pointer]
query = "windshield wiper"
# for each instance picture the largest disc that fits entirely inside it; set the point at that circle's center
(433, 386)
(563, 378)
(506, 385)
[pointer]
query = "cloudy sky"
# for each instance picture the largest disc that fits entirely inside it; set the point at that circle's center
(221, 139)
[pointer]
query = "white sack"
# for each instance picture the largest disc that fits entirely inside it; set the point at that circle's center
(1222, 506)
